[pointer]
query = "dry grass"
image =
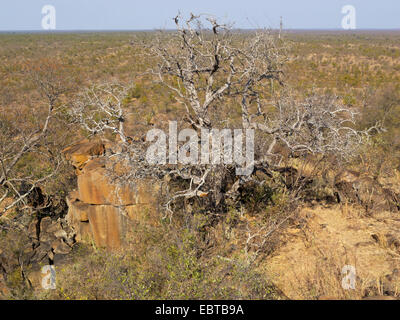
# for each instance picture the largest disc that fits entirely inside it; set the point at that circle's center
(305, 260)
(309, 265)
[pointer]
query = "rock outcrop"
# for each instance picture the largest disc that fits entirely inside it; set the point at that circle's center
(39, 241)
(80, 153)
(352, 187)
(101, 209)
(50, 239)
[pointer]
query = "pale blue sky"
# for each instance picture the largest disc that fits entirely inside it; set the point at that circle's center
(151, 14)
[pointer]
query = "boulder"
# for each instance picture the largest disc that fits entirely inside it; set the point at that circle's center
(102, 206)
(80, 153)
(45, 223)
(60, 247)
(105, 224)
(44, 233)
(95, 186)
(352, 187)
(77, 211)
(33, 231)
(77, 217)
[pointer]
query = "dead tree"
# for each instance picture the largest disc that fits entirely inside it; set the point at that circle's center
(205, 66)
(209, 70)
(22, 140)
(100, 108)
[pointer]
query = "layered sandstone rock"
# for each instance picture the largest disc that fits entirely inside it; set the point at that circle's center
(80, 153)
(102, 209)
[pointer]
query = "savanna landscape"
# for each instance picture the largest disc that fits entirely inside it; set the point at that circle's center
(76, 192)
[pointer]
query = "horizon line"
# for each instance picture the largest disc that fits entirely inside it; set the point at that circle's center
(158, 29)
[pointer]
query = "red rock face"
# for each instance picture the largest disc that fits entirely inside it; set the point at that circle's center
(95, 187)
(81, 152)
(100, 209)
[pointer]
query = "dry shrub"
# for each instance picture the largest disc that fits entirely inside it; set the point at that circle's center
(15, 254)
(162, 261)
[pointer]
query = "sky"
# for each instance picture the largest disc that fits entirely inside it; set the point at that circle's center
(21, 15)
